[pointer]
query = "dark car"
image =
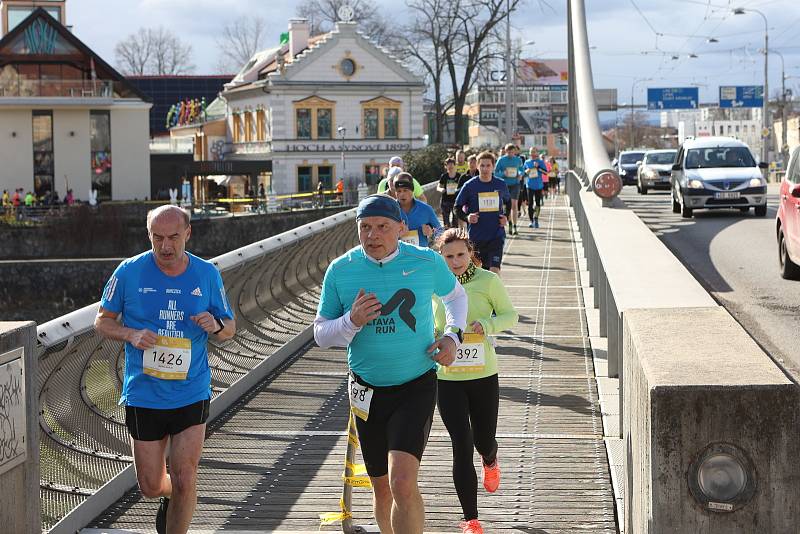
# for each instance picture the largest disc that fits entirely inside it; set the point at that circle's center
(628, 165)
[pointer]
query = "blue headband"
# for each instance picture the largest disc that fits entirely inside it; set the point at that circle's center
(379, 206)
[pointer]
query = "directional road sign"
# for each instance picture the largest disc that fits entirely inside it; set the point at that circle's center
(741, 96)
(672, 98)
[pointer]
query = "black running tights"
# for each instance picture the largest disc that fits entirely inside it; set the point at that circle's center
(469, 411)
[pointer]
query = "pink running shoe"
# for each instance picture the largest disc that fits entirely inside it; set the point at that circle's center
(491, 476)
(473, 526)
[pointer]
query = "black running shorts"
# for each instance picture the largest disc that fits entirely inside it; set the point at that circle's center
(399, 419)
(490, 252)
(150, 424)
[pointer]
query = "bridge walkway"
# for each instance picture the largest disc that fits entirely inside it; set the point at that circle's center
(274, 460)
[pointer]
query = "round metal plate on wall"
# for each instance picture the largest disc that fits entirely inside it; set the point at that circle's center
(607, 184)
(347, 67)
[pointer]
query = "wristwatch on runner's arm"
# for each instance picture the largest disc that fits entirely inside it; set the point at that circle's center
(456, 331)
(221, 325)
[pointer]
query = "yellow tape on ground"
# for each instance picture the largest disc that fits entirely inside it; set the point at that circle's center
(333, 517)
(356, 469)
(357, 482)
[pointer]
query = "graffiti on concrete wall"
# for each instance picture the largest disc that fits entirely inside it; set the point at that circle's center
(12, 411)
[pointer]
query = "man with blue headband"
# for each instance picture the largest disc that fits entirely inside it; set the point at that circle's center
(376, 301)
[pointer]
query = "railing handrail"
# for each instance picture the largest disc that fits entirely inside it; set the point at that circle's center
(79, 321)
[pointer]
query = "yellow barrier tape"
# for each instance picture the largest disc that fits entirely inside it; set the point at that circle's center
(352, 439)
(333, 517)
(357, 482)
(357, 469)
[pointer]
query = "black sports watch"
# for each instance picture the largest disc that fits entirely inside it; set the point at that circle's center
(457, 331)
(221, 325)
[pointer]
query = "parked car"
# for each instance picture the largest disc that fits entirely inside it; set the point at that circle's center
(788, 220)
(717, 172)
(627, 164)
(655, 170)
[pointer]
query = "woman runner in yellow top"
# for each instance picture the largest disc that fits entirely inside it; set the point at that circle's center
(469, 391)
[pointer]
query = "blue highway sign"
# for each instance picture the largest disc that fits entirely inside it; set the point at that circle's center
(672, 98)
(741, 96)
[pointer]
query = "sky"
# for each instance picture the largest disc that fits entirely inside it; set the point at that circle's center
(633, 41)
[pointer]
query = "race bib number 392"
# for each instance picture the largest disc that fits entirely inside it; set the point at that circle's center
(169, 359)
(470, 356)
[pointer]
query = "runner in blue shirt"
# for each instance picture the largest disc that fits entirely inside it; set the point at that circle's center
(509, 169)
(170, 302)
(535, 168)
(483, 202)
(376, 301)
(419, 217)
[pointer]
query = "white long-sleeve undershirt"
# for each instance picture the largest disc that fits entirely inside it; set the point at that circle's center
(340, 332)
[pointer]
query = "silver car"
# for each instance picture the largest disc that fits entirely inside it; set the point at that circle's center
(655, 170)
(717, 172)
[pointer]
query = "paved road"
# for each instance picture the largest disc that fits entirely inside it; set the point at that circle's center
(735, 257)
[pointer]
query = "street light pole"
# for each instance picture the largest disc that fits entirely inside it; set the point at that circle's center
(509, 60)
(784, 138)
(633, 109)
(765, 109)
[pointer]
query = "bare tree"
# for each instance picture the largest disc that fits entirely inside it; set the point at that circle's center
(475, 24)
(323, 14)
(153, 51)
(133, 54)
(422, 42)
(238, 41)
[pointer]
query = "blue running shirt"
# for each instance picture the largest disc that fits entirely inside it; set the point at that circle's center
(534, 174)
(508, 169)
(420, 213)
(148, 298)
(488, 226)
(391, 349)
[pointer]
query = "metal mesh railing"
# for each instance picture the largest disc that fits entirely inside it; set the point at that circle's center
(273, 287)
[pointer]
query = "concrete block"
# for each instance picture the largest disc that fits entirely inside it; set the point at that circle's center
(694, 384)
(20, 507)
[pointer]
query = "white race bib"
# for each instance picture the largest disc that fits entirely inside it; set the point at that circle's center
(511, 172)
(489, 201)
(411, 237)
(169, 359)
(470, 356)
(360, 398)
(451, 188)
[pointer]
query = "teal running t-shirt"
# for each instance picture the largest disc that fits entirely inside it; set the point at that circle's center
(392, 349)
(177, 375)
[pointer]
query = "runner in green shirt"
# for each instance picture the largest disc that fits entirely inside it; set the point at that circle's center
(469, 391)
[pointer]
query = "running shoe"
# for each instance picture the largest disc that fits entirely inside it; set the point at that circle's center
(530, 224)
(161, 515)
(536, 223)
(473, 526)
(491, 476)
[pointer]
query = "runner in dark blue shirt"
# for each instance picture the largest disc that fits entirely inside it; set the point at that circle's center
(484, 202)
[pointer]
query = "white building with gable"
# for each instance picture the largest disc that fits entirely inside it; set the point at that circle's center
(322, 108)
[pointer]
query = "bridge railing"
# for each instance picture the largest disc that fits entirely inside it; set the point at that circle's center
(698, 398)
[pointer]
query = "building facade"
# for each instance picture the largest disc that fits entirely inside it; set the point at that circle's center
(743, 124)
(539, 106)
(66, 116)
(323, 108)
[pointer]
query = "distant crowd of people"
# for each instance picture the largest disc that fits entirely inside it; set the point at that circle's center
(20, 203)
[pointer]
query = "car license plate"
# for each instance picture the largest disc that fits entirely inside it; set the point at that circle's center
(727, 195)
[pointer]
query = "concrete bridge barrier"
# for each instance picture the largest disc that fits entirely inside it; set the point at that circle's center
(19, 429)
(710, 428)
(708, 420)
